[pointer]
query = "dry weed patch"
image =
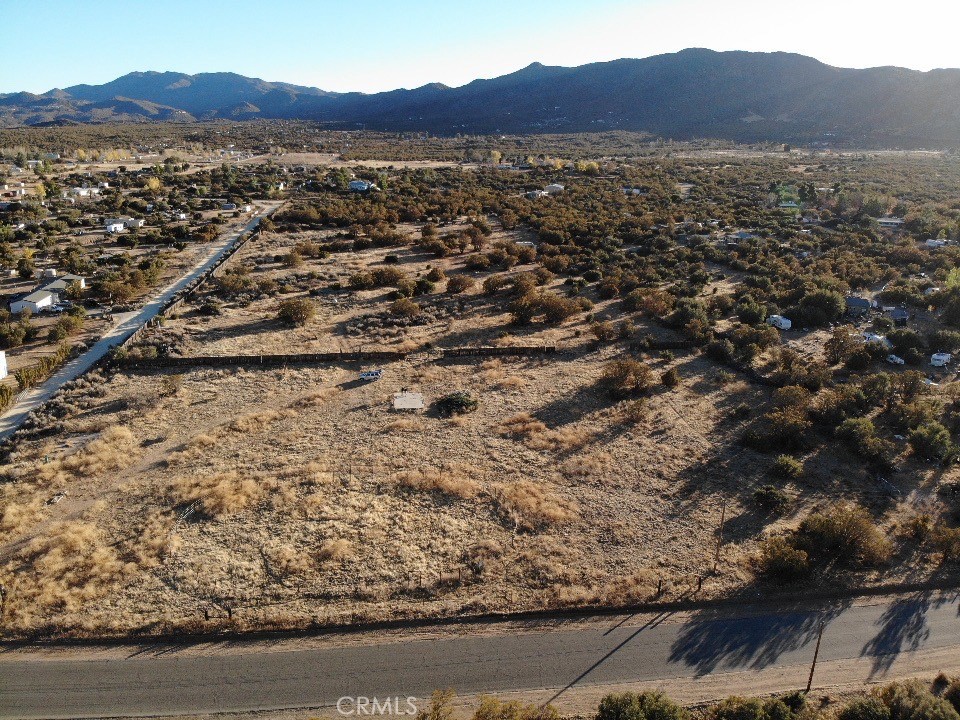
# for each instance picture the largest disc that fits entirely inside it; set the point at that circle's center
(531, 506)
(537, 436)
(112, 450)
(254, 422)
(455, 480)
(332, 551)
(216, 495)
(69, 566)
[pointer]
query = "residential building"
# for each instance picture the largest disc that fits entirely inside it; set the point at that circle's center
(35, 302)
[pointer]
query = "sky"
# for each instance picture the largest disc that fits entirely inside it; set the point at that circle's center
(373, 45)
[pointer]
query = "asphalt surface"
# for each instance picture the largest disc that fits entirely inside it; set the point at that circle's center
(638, 649)
(127, 324)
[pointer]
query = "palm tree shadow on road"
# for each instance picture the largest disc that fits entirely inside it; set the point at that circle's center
(712, 639)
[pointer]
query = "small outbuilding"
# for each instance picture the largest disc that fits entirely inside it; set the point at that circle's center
(553, 189)
(3, 365)
(406, 400)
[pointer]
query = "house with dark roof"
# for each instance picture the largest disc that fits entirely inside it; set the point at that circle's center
(857, 305)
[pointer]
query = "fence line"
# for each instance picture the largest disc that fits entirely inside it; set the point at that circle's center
(506, 351)
(263, 360)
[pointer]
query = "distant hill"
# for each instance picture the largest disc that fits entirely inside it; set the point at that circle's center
(690, 94)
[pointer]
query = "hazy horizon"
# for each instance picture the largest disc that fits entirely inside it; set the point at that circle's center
(380, 46)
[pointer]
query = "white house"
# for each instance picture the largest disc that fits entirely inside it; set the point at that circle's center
(933, 243)
(115, 226)
(553, 189)
(536, 194)
(3, 365)
(34, 302)
(82, 192)
(125, 223)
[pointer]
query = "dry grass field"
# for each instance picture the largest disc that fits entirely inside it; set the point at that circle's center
(257, 498)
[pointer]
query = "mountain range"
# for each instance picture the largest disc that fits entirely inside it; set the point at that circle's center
(694, 93)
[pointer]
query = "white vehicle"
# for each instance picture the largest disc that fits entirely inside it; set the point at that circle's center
(940, 359)
(779, 322)
(895, 360)
(371, 375)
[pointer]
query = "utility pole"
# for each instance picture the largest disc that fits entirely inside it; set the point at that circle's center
(816, 652)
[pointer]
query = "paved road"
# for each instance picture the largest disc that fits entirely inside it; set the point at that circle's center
(639, 649)
(127, 324)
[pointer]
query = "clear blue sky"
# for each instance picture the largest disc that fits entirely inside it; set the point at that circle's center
(372, 45)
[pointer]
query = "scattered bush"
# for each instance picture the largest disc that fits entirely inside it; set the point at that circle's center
(780, 560)
(771, 499)
(296, 312)
(845, 533)
(459, 283)
(670, 378)
(931, 440)
(456, 403)
(404, 307)
(648, 705)
(622, 378)
(787, 467)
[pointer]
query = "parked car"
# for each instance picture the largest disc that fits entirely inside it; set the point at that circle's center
(895, 360)
(371, 375)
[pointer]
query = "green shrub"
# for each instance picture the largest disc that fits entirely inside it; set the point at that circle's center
(912, 700)
(868, 708)
(952, 694)
(460, 283)
(456, 403)
(296, 312)
(844, 533)
(786, 466)
(404, 307)
(648, 705)
(671, 378)
(932, 441)
(622, 378)
(771, 499)
(32, 375)
(780, 560)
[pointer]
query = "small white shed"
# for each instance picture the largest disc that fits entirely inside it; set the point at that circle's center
(3, 365)
(406, 400)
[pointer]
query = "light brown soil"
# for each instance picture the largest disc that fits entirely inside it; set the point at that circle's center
(293, 496)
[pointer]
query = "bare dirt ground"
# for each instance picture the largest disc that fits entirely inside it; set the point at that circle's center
(284, 497)
(334, 160)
